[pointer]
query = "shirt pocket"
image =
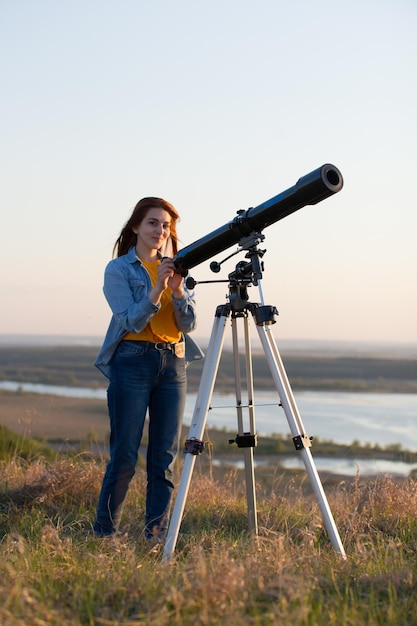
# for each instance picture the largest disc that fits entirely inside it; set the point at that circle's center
(138, 288)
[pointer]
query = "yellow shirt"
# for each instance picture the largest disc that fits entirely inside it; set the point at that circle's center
(162, 326)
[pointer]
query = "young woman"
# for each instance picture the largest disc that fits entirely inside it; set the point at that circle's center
(144, 355)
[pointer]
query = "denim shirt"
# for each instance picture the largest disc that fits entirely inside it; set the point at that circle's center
(126, 287)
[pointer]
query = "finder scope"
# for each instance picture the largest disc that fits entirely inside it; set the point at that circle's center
(310, 189)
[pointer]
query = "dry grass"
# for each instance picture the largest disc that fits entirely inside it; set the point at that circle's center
(53, 571)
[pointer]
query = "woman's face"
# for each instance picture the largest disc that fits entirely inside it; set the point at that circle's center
(153, 231)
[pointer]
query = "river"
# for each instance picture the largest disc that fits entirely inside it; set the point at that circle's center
(368, 418)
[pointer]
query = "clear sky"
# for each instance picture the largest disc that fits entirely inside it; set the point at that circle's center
(216, 106)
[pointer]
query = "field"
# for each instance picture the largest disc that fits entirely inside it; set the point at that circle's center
(54, 572)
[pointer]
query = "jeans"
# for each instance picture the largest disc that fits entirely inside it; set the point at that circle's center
(142, 378)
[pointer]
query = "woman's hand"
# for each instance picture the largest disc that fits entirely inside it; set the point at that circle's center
(167, 278)
(176, 283)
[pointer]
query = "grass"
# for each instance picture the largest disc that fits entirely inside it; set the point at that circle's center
(53, 571)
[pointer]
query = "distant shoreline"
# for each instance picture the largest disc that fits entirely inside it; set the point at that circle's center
(301, 347)
(72, 366)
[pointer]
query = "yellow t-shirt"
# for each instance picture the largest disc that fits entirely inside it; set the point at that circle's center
(162, 326)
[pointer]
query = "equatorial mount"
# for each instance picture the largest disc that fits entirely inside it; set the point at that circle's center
(246, 272)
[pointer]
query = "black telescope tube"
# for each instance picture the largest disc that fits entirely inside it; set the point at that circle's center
(310, 189)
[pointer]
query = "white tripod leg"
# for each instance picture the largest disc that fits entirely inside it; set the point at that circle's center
(298, 432)
(201, 409)
(243, 432)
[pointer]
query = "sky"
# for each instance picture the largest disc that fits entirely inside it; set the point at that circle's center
(216, 106)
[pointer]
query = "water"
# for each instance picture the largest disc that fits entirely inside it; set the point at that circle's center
(350, 467)
(54, 390)
(368, 418)
(382, 419)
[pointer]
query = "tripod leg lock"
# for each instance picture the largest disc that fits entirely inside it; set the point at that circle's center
(245, 441)
(194, 446)
(264, 315)
(302, 441)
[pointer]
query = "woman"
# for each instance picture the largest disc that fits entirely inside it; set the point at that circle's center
(143, 355)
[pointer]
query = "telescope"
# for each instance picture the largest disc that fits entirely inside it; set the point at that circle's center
(308, 190)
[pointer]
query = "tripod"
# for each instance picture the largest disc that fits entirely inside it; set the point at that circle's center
(239, 306)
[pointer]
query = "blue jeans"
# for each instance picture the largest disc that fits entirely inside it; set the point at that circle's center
(142, 378)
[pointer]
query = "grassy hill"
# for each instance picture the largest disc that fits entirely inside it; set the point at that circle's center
(53, 570)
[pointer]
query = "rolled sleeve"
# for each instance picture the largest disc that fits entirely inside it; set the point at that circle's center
(185, 312)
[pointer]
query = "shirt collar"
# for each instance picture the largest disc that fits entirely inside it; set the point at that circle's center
(132, 258)
(131, 255)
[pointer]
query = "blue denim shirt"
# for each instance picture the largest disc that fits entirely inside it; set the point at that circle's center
(127, 286)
